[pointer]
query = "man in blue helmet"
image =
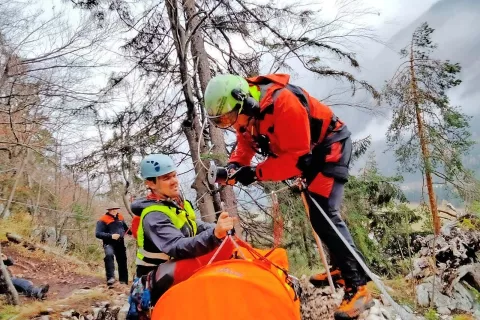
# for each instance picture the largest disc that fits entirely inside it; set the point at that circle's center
(168, 230)
(168, 227)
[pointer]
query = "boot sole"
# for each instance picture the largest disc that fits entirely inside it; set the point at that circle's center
(343, 316)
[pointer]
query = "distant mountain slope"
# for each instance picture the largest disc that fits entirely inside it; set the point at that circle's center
(457, 33)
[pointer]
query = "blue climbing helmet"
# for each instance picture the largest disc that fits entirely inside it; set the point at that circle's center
(156, 165)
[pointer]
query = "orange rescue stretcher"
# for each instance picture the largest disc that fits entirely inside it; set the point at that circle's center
(235, 280)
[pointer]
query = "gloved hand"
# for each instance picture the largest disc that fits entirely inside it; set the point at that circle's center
(231, 169)
(245, 175)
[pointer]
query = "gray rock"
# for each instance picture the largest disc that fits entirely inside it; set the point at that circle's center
(423, 296)
(122, 314)
(67, 314)
(386, 314)
(442, 300)
(463, 298)
(374, 310)
(44, 317)
(476, 314)
(95, 312)
(443, 311)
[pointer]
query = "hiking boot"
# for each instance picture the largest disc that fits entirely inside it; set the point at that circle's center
(41, 292)
(355, 302)
(321, 279)
(110, 281)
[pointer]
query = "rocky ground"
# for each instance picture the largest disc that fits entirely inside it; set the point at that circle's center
(320, 304)
(80, 294)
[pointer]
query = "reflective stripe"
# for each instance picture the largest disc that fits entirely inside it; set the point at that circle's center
(139, 262)
(152, 255)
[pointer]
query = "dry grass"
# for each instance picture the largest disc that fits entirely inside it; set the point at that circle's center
(78, 301)
(20, 223)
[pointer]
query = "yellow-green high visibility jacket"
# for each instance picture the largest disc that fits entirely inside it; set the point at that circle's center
(167, 231)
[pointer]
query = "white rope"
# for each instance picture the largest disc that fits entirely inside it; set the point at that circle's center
(402, 312)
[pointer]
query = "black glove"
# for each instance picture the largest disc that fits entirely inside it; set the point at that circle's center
(232, 167)
(245, 175)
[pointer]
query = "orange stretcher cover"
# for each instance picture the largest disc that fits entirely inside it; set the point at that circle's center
(233, 289)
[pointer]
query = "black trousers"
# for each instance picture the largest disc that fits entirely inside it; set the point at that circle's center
(340, 256)
(119, 252)
(144, 270)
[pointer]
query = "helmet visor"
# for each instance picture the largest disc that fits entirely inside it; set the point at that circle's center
(225, 120)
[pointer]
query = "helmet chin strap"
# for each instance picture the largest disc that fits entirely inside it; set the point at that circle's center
(250, 106)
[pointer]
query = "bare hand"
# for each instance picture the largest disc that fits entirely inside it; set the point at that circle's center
(224, 224)
(115, 236)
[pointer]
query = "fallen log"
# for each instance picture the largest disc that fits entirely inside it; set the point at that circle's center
(17, 239)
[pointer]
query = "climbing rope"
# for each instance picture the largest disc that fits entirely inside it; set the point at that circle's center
(402, 312)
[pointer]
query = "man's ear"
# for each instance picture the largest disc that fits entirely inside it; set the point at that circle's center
(149, 184)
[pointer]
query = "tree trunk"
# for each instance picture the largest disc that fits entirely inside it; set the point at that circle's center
(191, 126)
(107, 165)
(15, 184)
(201, 58)
(424, 146)
(5, 276)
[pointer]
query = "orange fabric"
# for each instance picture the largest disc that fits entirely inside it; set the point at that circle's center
(335, 152)
(185, 268)
(135, 224)
(287, 128)
(157, 197)
(322, 185)
(109, 219)
(232, 289)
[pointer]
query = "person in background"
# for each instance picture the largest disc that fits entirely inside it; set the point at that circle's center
(24, 286)
(111, 229)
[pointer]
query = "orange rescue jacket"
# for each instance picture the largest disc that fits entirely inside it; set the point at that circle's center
(292, 123)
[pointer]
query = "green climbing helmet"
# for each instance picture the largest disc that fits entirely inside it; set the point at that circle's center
(222, 107)
(156, 165)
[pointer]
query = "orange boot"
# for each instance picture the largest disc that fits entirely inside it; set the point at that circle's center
(321, 279)
(355, 302)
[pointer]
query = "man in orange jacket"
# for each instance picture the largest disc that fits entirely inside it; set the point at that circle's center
(299, 136)
(111, 229)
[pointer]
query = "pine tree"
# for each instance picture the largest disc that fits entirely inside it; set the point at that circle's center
(428, 132)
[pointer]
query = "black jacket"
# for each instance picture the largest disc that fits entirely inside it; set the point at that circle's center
(108, 225)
